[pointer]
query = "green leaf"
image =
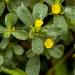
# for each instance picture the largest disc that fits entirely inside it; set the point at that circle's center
(2, 29)
(30, 53)
(69, 13)
(60, 22)
(4, 43)
(57, 51)
(2, 7)
(18, 49)
(40, 11)
(51, 30)
(1, 60)
(32, 33)
(14, 4)
(10, 20)
(33, 66)
(25, 16)
(9, 53)
(37, 45)
(20, 34)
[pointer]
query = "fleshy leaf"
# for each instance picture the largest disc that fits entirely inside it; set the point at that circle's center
(24, 15)
(4, 43)
(40, 11)
(20, 34)
(10, 19)
(33, 66)
(18, 49)
(57, 51)
(37, 45)
(2, 7)
(60, 22)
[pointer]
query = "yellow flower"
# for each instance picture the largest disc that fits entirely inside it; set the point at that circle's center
(38, 23)
(49, 43)
(56, 8)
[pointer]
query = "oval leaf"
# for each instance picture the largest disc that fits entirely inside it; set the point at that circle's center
(20, 34)
(51, 30)
(40, 11)
(33, 66)
(69, 13)
(9, 53)
(10, 19)
(60, 22)
(18, 49)
(2, 29)
(37, 45)
(57, 51)
(4, 43)
(24, 15)
(2, 6)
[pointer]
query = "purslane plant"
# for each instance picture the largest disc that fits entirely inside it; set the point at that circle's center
(59, 23)
(43, 36)
(40, 38)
